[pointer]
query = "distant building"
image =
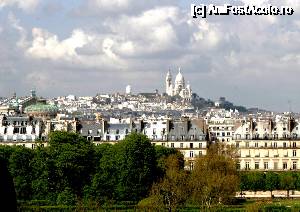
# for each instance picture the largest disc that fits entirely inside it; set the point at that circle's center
(179, 88)
(128, 89)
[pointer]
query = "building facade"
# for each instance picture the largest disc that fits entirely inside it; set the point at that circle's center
(178, 88)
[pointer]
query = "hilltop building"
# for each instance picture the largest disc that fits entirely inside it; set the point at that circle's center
(179, 88)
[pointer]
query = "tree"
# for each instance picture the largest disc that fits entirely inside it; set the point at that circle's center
(215, 178)
(21, 170)
(7, 190)
(73, 161)
(43, 172)
(272, 182)
(287, 182)
(136, 164)
(256, 181)
(174, 189)
(105, 179)
(162, 153)
(244, 181)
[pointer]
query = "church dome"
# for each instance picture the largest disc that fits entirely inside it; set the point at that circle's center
(179, 78)
(41, 109)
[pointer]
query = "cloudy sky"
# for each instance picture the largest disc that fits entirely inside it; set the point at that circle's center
(84, 47)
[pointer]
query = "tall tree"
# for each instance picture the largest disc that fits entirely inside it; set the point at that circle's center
(215, 178)
(105, 179)
(21, 170)
(8, 200)
(73, 158)
(174, 189)
(136, 164)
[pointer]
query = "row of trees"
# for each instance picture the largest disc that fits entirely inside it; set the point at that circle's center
(270, 181)
(72, 168)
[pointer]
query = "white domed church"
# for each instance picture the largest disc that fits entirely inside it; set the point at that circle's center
(179, 87)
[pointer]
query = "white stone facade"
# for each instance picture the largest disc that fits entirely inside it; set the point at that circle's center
(179, 88)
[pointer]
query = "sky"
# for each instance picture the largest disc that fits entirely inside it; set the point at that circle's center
(84, 47)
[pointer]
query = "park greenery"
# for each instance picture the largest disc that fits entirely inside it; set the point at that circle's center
(72, 171)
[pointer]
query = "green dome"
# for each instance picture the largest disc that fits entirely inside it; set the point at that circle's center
(41, 109)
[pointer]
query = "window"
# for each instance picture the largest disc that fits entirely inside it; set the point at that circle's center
(117, 131)
(181, 145)
(107, 137)
(163, 144)
(275, 165)
(275, 144)
(256, 165)
(284, 145)
(191, 154)
(266, 144)
(223, 134)
(172, 145)
(200, 153)
(117, 137)
(237, 144)
(32, 146)
(294, 153)
(228, 133)
(294, 144)
(247, 166)
(256, 144)
(247, 144)
(266, 165)
(200, 145)
(191, 145)
(173, 137)
(154, 131)
(284, 165)
(191, 166)
(294, 165)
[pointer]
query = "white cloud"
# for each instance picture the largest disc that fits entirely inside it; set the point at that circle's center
(27, 5)
(112, 5)
(148, 33)
(47, 45)
(15, 23)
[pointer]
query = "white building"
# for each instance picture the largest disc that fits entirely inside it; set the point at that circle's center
(179, 87)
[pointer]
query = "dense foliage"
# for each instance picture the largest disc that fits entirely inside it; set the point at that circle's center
(270, 181)
(72, 169)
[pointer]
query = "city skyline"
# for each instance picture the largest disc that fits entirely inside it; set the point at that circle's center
(98, 46)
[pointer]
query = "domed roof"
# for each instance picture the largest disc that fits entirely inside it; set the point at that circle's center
(179, 78)
(41, 109)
